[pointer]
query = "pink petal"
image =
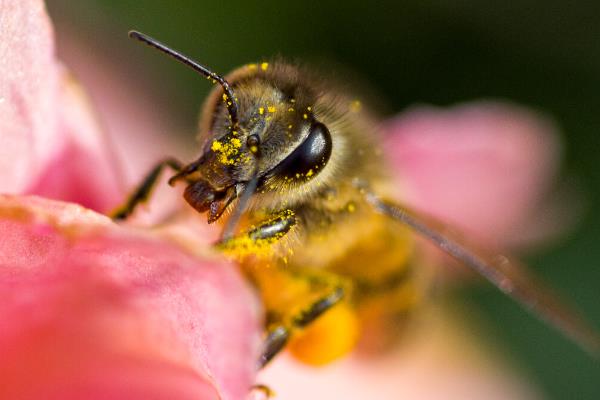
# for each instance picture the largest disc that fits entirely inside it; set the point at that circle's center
(84, 170)
(50, 143)
(482, 166)
(141, 126)
(96, 310)
(437, 360)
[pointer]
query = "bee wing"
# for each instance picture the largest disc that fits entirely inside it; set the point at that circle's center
(508, 275)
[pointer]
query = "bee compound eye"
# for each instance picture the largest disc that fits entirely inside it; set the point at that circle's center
(309, 157)
(314, 152)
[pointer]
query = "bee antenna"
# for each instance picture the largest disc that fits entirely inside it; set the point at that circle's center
(230, 99)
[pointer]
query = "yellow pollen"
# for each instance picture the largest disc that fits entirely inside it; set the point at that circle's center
(226, 150)
(264, 66)
(355, 105)
(271, 109)
(216, 145)
(330, 337)
(261, 110)
(305, 116)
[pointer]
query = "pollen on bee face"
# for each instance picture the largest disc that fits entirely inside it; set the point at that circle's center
(271, 109)
(261, 110)
(216, 145)
(227, 151)
(264, 66)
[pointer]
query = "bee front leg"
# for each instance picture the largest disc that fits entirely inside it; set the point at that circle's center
(260, 238)
(142, 192)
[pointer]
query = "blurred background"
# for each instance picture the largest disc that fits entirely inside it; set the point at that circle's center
(542, 54)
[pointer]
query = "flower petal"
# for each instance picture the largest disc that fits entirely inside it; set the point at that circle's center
(91, 307)
(48, 135)
(28, 86)
(439, 359)
(84, 169)
(482, 166)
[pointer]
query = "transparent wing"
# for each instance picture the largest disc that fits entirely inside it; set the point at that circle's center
(506, 274)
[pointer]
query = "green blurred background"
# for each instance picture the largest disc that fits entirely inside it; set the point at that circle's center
(544, 54)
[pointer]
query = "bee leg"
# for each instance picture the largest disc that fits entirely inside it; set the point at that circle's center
(279, 335)
(142, 192)
(276, 340)
(265, 234)
(316, 309)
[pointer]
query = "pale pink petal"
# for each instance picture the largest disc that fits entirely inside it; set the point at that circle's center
(110, 312)
(28, 85)
(142, 128)
(437, 360)
(50, 143)
(485, 167)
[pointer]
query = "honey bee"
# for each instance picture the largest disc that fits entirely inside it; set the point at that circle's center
(292, 170)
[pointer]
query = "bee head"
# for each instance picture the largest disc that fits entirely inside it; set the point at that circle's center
(274, 138)
(260, 130)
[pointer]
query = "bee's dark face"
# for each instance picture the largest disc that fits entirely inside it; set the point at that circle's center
(279, 140)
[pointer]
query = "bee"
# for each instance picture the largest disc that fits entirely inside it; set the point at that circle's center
(292, 170)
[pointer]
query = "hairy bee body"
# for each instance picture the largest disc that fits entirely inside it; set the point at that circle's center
(337, 236)
(313, 219)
